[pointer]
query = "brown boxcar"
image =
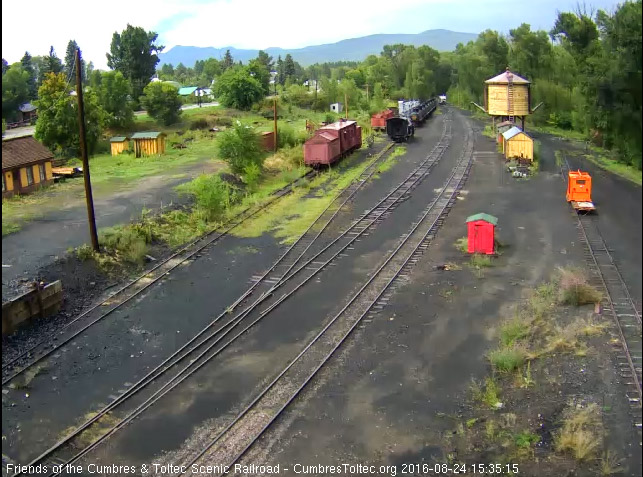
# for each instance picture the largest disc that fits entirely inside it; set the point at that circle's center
(322, 148)
(348, 133)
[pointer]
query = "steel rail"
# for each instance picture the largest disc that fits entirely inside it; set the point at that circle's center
(372, 278)
(229, 226)
(157, 371)
(167, 387)
(600, 273)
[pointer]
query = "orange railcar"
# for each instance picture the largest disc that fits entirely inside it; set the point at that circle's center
(579, 191)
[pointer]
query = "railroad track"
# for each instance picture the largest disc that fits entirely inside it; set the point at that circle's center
(135, 287)
(64, 450)
(239, 435)
(618, 302)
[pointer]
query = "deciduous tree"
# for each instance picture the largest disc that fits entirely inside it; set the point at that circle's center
(162, 102)
(134, 53)
(236, 88)
(57, 124)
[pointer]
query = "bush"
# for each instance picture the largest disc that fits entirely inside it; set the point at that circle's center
(212, 195)
(162, 102)
(126, 242)
(251, 175)
(240, 147)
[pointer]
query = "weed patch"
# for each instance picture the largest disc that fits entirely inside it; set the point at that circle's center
(462, 244)
(575, 289)
(513, 331)
(580, 433)
(487, 393)
(508, 359)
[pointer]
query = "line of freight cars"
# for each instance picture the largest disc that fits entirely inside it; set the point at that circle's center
(332, 142)
(411, 114)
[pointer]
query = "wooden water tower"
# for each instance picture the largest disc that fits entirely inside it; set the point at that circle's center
(507, 97)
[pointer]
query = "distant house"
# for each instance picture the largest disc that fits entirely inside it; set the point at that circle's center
(27, 112)
(148, 143)
(26, 166)
(188, 91)
(336, 107)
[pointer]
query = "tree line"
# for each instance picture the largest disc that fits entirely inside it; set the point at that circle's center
(586, 69)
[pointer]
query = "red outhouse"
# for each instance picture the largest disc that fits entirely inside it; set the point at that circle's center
(481, 233)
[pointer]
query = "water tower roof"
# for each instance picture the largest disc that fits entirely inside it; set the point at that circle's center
(503, 78)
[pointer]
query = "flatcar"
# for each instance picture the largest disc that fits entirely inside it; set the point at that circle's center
(399, 129)
(332, 142)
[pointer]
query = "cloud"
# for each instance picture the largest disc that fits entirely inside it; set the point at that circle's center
(252, 23)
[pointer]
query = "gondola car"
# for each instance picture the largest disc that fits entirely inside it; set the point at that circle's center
(399, 129)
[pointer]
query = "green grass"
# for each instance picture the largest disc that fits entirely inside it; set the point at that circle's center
(620, 169)
(513, 331)
(462, 244)
(479, 261)
(508, 358)
(289, 218)
(526, 439)
(487, 393)
(600, 157)
(392, 159)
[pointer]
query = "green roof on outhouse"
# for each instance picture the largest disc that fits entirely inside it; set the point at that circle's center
(147, 135)
(482, 216)
(118, 139)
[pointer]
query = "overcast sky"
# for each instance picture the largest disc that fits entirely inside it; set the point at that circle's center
(37, 24)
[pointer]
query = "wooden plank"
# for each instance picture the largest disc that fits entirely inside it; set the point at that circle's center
(34, 303)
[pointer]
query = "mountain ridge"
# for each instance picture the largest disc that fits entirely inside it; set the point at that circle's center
(350, 49)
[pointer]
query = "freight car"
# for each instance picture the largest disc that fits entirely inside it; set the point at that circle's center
(332, 142)
(399, 129)
(378, 120)
(422, 111)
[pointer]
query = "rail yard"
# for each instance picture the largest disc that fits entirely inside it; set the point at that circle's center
(358, 343)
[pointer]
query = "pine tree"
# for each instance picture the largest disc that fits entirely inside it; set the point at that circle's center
(27, 66)
(228, 62)
(289, 68)
(281, 78)
(70, 61)
(52, 63)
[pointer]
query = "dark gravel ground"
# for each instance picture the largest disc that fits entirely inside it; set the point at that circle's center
(390, 395)
(380, 399)
(102, 361)
(42, 242)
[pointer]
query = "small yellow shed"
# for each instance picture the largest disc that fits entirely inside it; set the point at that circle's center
(148, 143)
(119, 144)
(517, 144)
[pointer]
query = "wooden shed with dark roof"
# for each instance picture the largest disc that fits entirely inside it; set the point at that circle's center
(148, 143)
(26, 166)
(119, 144)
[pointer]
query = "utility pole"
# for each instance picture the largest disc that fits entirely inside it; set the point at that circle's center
(274, 111)
(83, 153)
(346, 101)
(367, 92)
